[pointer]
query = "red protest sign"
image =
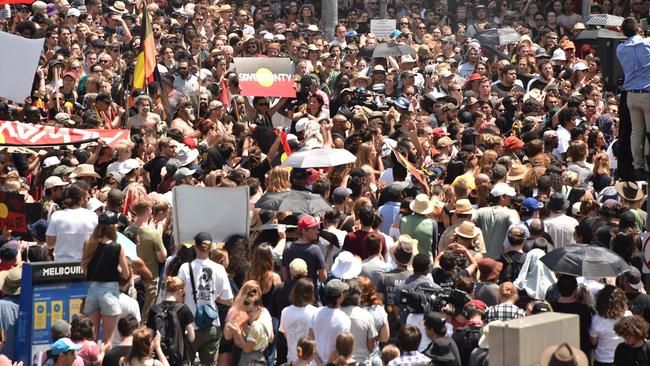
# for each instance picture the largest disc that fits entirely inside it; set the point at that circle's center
(12, 212)
(265, 76)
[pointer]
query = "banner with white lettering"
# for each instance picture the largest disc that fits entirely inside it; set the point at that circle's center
(265, 76)
(27, 135)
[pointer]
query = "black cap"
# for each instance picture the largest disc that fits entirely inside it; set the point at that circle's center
(98, 43)
(202, 237)
(107, 218)
(103, 97)
(437, 322)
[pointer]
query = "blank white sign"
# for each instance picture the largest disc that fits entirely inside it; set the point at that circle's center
(18, 65)
(222, 212)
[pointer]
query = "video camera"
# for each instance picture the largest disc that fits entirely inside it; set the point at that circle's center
(420, 300)
(373, 99)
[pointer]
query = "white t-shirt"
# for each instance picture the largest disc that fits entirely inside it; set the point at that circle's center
(328, 323)
(71, 227)
(362, 326)
(129, 306)
(211, 281)
(294, 324)
(603, 329)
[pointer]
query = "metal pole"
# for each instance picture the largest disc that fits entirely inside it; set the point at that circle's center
(586, 10)
(330, 10)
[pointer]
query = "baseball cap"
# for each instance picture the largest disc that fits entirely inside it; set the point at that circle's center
(64, 345)
(475, 306)
(51, 161)
(298, 268)
(341, 193)
(402, 102)
(54, 181)
(335, 287)
(502, 189)
(633, 278)
(202, 237)
(558, 55)
(530, 204)
(307, 222)
(436, 321)
(9, 250)
(115, 196)
(183, 172)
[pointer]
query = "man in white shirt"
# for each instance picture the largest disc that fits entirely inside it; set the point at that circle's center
(69, 229)
(560, 226)
(568, 121)
(330, 320)
(210, 286)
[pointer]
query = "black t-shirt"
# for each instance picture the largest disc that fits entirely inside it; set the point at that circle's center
(512, 263)
(154, 167)
(280, 298)
(310, 253)
(538, 84)
(446, 281)
(388, 282)
(112, 357)
(585, 315)
(639, 304)
(628, 356)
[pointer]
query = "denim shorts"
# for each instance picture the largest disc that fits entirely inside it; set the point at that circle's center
(103, 296)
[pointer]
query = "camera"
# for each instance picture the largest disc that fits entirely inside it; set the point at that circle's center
(423, 300)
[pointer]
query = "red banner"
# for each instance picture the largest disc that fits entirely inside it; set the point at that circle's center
(28, 2)
(28, 135)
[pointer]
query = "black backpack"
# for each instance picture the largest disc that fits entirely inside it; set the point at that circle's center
(172, 335)
(466, 339)
(511, 268)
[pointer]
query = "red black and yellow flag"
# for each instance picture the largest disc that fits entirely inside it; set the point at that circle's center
(265, 76)
(146, 61)
(417, 174)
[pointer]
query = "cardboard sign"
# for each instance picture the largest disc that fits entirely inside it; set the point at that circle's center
(382, 27)
(222, 212)
(27, 135)
(18, 66)
(12, 212)
(265, 76)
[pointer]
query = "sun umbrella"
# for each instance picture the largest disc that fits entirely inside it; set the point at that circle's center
(319, 158)
(293, 201)
(593, 34)
(498, 37)
(392, 49)
(128, 246)
(605, 20)
(585, 260)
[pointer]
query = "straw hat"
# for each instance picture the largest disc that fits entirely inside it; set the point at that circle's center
(403, 251)
(463, 207)
(84, 170)
(466, 229)
(422, 204)
(361, 76)
(516, 172)
(118, 7)
(630, 191)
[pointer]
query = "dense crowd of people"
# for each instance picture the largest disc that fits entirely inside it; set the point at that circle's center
(473, 161)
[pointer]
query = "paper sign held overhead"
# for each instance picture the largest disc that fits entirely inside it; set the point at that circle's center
(265, 76)
(18, 66)
(382, 27)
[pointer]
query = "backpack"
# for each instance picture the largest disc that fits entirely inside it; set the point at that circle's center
(172, 335)
(510, 269)
(466, 339)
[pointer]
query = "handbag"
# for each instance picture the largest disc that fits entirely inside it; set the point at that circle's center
(205, 314)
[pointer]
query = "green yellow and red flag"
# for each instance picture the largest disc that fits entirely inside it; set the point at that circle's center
(415, 172)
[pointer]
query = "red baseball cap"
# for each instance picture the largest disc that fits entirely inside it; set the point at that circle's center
(512, 143)
(439, 132)
(307, 222)
(474, 306)
(475, 76)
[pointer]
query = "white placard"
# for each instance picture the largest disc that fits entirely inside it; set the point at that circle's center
(382, 27)
(222, 212)
(18, 65)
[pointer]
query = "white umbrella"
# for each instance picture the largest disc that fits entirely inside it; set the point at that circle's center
(319, 158)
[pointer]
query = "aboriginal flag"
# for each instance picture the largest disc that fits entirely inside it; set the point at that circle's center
(146, 61)
(410, 168)
(265, 76)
